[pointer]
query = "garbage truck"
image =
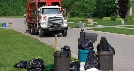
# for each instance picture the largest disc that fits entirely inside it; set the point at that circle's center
(46, 16)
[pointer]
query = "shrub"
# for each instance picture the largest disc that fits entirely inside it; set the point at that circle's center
(106, 18)
(113, 17)
(127, 19)
(132, 19)
(118, 19)
(132, 16)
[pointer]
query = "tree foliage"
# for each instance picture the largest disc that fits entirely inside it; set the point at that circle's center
(105, 8)
(123, 8)
(80, 8)
(12, 7)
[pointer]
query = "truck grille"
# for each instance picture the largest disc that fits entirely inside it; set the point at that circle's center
(55, 20)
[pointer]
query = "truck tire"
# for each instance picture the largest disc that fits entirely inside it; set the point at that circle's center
(64, 33)
(41, 34)
(32, 30)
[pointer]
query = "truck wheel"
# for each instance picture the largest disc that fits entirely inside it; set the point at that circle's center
(64, 33)
(32, 30)
(41, 34)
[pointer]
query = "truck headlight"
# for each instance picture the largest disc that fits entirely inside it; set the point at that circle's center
(42, 23)
(65, 21)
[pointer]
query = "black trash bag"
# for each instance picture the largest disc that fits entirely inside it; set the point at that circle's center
(111, 49)
(21, 64)
(104, 46)
(37, 69)
(37, 63)
(85, 44)
(34, 64)
(92, 61)
(75, 66)
(66, 48)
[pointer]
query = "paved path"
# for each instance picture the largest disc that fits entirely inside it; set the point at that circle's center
(123, 60)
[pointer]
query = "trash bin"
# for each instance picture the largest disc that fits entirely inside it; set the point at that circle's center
(80, 24)
(90, 36)
(3, 24)
(106, 60)
(62, 61)
(82, 55)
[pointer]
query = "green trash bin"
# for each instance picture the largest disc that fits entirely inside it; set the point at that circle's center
(106, 60)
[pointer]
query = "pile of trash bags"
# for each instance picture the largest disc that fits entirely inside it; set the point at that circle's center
(85, 44)
(36, 64)
(92, 61)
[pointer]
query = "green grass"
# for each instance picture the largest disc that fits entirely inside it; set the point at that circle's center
(116, 30)
(76, 18)
(12, 16)
(99, 22)
(15, 47)
(128, 26)
(0, 24)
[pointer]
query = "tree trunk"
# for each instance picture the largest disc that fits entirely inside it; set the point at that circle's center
(68, 14)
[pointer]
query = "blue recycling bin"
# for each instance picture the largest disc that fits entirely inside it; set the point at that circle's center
(82, 55)
(3, 24)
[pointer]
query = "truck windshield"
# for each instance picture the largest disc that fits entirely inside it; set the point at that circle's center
(51, 11)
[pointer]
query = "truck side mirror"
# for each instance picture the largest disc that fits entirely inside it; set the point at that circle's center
(64, 11)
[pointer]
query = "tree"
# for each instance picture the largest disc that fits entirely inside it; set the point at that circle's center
(122, 8)
(68, 4)
(105, 8)
(12, 7)
(83, 8)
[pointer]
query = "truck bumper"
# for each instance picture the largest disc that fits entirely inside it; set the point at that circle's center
(55, 29)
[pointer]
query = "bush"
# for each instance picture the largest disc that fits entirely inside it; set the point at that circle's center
(118, 19)
(127, 19)
(113, 17)
(132, 16)
(106, 18)
(132, 19)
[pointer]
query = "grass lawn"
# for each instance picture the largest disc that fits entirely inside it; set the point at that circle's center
(128, 26)
(104, 23)
(116, 30)
(15, 47)
(0, 24)
(99, 22)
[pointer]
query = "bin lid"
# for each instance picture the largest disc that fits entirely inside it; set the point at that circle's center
(105, 53)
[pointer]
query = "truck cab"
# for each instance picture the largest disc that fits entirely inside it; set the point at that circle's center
(52, 20)
(46, 16)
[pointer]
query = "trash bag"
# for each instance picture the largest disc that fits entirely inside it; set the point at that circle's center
(93, 69)
(85, 44)
(105, 46)
(36, 69)
(92, 61)
(74, 66)
(66, 48)
(21, 64)
(36, 64)
(49, 67)
(111, 49)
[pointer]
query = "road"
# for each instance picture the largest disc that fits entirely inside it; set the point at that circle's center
(123, 59)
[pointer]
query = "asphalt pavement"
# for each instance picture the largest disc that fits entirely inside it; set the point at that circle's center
(123, 44)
